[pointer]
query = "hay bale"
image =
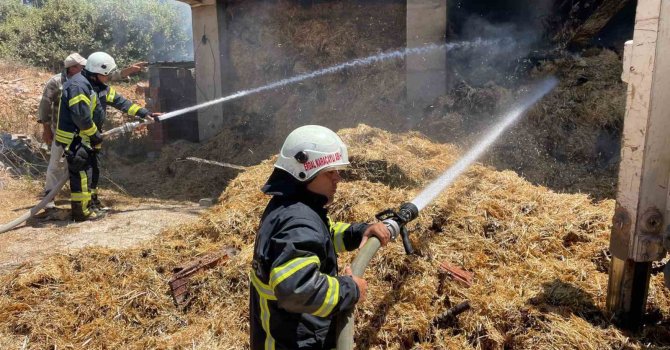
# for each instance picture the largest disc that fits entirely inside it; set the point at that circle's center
(535, 286)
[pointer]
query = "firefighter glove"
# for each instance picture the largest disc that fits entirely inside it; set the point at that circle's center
(96, 139)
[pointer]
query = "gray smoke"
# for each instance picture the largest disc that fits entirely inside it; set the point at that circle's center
(524, 25)
(185, 21)
(167, 49)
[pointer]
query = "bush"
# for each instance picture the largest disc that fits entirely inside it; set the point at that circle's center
(129, 30)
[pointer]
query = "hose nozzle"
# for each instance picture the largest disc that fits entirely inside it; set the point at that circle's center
(395, 222)
(408, 212)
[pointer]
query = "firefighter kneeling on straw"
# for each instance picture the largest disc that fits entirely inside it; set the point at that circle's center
(296, 294)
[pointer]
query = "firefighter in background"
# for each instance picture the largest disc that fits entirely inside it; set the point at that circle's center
(80, 117)
(77, 134)
(296, 293)
(48, 112)
(107, 96)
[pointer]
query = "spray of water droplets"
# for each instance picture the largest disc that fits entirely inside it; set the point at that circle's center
(384, 56)
(449, 176)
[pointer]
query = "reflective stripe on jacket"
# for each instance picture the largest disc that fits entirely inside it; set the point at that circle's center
(75, 114)
(109, 96)
(295, 291)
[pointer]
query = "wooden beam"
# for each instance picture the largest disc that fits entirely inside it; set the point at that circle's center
(644, 172)
(596, 22)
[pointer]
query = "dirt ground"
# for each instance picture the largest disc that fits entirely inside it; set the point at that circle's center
(131, 220)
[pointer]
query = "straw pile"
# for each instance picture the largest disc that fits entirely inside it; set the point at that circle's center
(540, 278)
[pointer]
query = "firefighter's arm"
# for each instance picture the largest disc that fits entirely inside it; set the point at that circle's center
(116, 100)
(346, 237)
(80, 104)
(128, 71)
(49, 96)
(295, 277)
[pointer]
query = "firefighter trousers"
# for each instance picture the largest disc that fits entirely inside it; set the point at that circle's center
(80, 186)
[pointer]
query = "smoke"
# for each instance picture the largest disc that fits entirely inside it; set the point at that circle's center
(522, 21)
(178, 46)
(185, 21)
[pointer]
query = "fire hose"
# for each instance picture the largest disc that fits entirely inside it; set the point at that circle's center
(396, 221)
(123, 129)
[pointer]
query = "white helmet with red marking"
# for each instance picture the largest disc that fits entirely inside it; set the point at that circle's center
(100, 63)
(310, 149)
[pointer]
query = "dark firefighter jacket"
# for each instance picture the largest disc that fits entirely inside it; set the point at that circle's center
(75, 114)
(109, 97)
(295, 291)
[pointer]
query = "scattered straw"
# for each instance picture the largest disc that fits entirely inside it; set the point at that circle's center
(537, 281)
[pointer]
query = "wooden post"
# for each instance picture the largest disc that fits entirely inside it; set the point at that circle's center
(644, 173)
(212, 62)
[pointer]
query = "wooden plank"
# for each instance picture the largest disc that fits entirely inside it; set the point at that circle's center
(644, 171)
(596, 22)
(643, 140)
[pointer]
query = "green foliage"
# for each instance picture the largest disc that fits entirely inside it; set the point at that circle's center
(129, 30)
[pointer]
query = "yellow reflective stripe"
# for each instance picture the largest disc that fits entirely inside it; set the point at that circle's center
(133, 109)
(338, 236)
(94, 191)
(263, 289)
(111, 95)
(280, 273)
(85, 192)
(90, 131)
(63, 140)
(64, 133)
(331, 299)
(265, 294)
(79, 98)
(265, 321)
(64, 136)
(79, 197)
(84, 182)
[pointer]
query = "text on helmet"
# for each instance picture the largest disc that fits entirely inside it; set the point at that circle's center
(323, 161)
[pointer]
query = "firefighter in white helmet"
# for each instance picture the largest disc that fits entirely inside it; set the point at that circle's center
(48, 112)
(296, 292)
(99, 69)
(80, 121)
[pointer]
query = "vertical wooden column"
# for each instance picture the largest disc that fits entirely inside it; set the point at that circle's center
(642, 195)
(426, 74)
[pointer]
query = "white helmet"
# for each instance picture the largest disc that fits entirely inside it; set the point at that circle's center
(310, 149)
(100, 63)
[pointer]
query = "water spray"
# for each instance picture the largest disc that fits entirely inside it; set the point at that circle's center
(396, 221)
(360, 62)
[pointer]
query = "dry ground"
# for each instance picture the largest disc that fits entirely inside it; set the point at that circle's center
(130, 221)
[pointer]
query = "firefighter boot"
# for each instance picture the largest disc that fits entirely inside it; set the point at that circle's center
(96, 205)
(78, 213)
